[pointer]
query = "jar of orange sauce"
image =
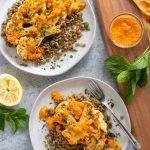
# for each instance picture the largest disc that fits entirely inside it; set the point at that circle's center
(126, 30)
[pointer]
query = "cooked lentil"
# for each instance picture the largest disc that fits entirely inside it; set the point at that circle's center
(80, 45)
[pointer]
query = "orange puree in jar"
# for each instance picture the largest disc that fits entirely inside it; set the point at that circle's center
(125, 30)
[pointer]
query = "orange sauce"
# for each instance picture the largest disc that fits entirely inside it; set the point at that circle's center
(125, 30)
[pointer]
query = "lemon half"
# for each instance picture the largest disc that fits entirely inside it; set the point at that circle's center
(10, 90)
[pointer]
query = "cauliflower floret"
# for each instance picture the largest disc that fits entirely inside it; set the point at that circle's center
(12, 33)
(89, 123)
(27, 49)
(92, 145)
(78, 6)
(99, 120)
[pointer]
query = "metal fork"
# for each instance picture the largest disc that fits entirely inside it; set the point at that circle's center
(96, 92)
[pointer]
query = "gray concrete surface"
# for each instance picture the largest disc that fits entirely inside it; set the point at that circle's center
(91, 65)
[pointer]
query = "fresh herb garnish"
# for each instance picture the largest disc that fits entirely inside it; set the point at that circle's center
(58, 66)
(118, 134)
(17, 30)
(24, 64)
(86, 26)
(74, 50)
(62, 127)
(117, 125)
(71, 56)
(17, 118)
(133, 74)
(45, 11)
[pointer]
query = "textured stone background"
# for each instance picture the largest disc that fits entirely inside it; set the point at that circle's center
(91, 65)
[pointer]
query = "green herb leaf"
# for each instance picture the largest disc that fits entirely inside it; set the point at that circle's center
(130, 91)
(123, 77)
(143, 78)
(71, 56)
(149, 60)
(12, 123)
(23, 64)
(62, 127)
(20, 111)
(86, 26)
(141, 62)
(22, 123)
(117, 64)
(45, 11)
(5, 110)
(137, 75)
(74, 50)
(2, 122)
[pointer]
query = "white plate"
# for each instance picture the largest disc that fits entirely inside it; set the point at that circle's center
(68, 63)
(68, 87)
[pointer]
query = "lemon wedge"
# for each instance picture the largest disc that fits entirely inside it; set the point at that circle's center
(10, 90)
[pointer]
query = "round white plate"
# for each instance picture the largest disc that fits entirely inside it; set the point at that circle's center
(44, 70)
(69, 87)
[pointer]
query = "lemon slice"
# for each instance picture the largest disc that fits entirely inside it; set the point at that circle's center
(10, 90)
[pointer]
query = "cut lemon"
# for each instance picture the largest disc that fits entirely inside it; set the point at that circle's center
(10, 90)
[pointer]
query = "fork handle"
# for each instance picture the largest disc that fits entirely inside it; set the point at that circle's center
(135, 143)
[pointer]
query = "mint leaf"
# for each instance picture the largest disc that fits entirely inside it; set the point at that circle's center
(117, 63)
(20, 111)
(123, 77)
(130, 91)
(22, 123)
(149, 60)
(5, 110)
(12, 123)
(141, 62)
(143, 78)
(137, 75)
(2, 122)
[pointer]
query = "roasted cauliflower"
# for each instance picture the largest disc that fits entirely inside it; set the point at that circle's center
(34, 20)
(81, 122)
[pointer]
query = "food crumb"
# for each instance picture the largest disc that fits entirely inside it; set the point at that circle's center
(121, 117)
(111, 103)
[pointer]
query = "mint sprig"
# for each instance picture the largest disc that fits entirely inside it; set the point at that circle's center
(17, 118)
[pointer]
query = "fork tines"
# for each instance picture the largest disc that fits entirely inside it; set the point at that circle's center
(95, 90)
